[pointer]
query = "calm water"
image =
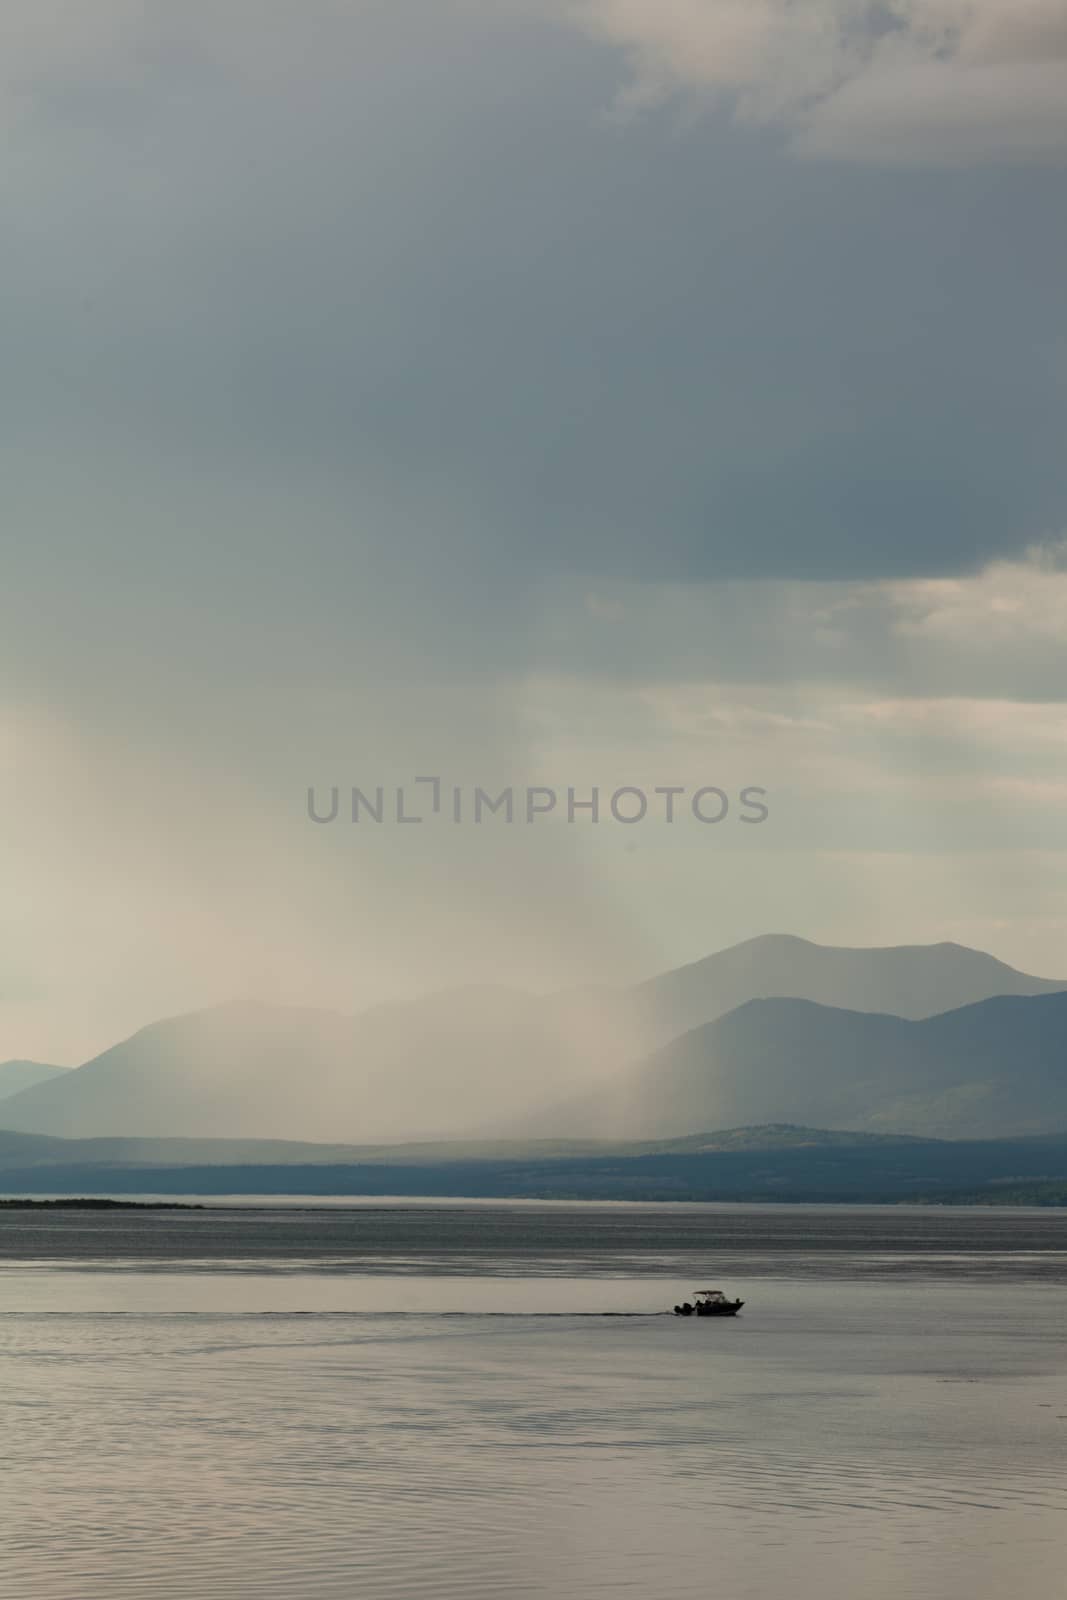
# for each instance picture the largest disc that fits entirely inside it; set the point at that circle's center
(428, 1401)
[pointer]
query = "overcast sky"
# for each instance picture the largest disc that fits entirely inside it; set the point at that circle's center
(558, 392)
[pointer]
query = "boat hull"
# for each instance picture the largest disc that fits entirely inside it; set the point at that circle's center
(728, 1309)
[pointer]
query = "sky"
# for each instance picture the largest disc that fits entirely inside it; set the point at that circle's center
(555, 393)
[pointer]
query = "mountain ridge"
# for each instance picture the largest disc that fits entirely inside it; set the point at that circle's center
(17, 1075)
(997, 1066)
(490, 1062)
(911, 980)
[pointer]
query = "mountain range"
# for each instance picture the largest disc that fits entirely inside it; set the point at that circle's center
(911, 981)
(911, 1039)
(998, 1067)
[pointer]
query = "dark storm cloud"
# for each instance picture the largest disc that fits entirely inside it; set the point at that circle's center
(506, 333)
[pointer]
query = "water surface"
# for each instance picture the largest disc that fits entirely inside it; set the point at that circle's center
(429, 1401)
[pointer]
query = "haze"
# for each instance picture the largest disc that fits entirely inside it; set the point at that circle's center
(566, 394)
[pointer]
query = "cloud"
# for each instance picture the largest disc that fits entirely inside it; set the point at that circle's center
(896, 82)
(1006, 606)
(388, 272)
(941, 113)
(998, 634)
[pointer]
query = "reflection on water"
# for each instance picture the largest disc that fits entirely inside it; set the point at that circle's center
(194, 1436)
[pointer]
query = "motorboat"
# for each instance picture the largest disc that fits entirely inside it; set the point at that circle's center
(708, 1303)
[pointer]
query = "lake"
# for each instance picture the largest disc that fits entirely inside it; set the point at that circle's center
(407, 1400)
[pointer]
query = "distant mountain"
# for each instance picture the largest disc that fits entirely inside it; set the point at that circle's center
(491, 1062)
(451, 1065)
(18, 1075)
(998, 1068)
(903, 980)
